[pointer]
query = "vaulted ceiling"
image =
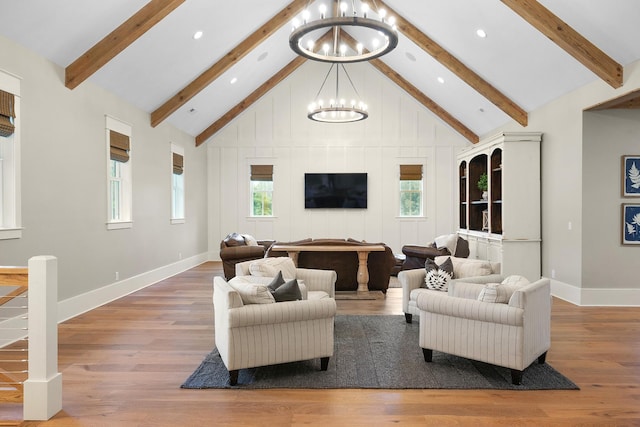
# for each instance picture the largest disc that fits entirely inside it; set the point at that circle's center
(144, 51)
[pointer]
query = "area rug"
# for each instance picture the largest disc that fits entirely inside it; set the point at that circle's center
(378, 352)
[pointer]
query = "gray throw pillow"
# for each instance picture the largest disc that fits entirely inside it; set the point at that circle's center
(289, 291)
(276, 282)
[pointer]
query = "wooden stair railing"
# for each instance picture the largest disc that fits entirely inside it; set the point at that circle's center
(14, 357)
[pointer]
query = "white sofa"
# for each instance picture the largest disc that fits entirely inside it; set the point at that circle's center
(511, 334)
(412, 281)
(252, 335)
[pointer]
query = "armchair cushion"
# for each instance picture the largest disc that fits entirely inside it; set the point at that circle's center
(466, 267)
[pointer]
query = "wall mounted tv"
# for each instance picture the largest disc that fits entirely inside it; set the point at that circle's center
(335, 190)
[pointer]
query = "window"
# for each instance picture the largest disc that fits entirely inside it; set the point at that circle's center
(119, 174)
(10, 224)
(261, 190)
(411, 190)
(177, 184)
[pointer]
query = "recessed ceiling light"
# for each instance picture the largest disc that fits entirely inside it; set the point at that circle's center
(481, 109)
(234, 80)
(262, 56)
(440, 80)
(192, 110)
(410, 56)
(197, 35)
(481, 33)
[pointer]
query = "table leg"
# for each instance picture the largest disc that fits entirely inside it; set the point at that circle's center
(363, 271)
(294, 256)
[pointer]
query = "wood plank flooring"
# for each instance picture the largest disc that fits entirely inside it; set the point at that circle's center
(123, 364)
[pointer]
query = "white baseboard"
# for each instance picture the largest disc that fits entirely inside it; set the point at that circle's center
(79, 304)
(605, 297)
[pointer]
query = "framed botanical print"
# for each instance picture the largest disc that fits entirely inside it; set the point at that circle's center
(631, 176)
(630, 224)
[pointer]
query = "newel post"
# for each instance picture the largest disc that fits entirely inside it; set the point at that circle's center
(43, 388)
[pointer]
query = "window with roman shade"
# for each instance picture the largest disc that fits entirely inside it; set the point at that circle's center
(177, 185)
(411, 190)
(178, 164)
(119, 146)
(7, 113)
(261, 182)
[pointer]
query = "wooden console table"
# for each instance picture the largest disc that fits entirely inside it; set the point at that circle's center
(362, 250)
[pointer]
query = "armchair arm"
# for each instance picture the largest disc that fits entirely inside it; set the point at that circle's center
(318, 280)
(241, 252)
(410, 280)
(470, 309)
(281, 312)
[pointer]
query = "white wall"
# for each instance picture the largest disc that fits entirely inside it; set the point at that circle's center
(275, 130)
(64, 190)
(572, 206)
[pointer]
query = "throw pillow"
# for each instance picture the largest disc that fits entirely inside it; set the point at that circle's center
(251, 293)
(448, 241)
(465, 267)
(438, 276)
(270, 266)
(495, 293)
(250, 240)
(276, 282)
(289, 291)
(515, 280)
(234, 239)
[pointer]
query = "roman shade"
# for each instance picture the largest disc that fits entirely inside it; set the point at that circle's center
(178, 164)
(261, 172)
(7, 112)
(410, 172)
(119, 146)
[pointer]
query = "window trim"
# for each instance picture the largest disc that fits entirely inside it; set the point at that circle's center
(13, 229)
(113, 124)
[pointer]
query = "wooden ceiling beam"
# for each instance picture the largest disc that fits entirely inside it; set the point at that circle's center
(230, 59)
(117, 41)
(249, 100)
(568, 39)
(458, 68)
(628, 101)
(416, 93)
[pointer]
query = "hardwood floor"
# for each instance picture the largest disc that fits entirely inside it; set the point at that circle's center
(123, 364)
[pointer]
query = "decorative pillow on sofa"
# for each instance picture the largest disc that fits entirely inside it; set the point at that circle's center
(276, 282)
(465, 267)
(251, 293)
(250, 240)
(502, 292)
(438, 276)
(270, 266)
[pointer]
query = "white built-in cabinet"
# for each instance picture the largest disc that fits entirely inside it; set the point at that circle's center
(504, 225)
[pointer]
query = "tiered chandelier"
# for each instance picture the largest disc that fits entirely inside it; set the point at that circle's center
(337, 109)
(376, 35)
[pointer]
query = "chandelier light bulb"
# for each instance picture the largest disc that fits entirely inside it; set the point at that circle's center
(375, 43)
(325, 48)
(332, 102)
(392, 21)
(305, 16)
(343, 49)
(343, 8)
(295, 23)
(365, 9)
(310, 45)
(359, 48)
(342, 102)
(323, 11)
(382, 13)
(320, 103)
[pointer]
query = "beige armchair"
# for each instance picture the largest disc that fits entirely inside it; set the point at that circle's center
(261, 334)
(512, 334)
(464, 269)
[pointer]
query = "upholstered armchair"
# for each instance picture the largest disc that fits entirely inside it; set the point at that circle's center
(250, 334)
(464, 269)
(512, 334)
(237, 248)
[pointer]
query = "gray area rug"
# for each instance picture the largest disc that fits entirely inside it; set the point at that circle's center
(378, 352)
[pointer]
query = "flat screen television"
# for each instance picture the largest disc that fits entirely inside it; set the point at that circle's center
(335, 190)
